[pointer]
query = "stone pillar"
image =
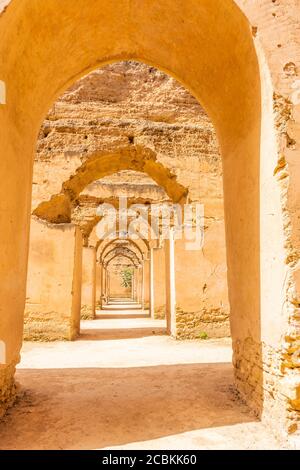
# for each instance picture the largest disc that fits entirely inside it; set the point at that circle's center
(76, 285)
(102, 296)
(159, 283)
(107, 284)
(170, 284)
(151, 283)
(99, 284)
(146, 283)
(143, 285)
(139, 284)
(133, 285)
(53, 305)
(88, 292)
(104, 289)
(137, 278)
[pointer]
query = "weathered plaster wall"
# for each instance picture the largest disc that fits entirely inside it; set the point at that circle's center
(202, 307)
(76, 286)
(54, 274)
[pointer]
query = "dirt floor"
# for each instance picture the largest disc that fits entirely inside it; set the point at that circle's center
(125, 384)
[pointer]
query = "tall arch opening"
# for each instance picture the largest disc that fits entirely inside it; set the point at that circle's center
(224, 74)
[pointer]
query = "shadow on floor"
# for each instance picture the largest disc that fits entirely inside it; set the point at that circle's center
(119, 333)
(112, 308)
(92, 408)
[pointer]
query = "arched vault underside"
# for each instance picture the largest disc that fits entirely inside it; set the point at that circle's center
(121, 251)
(86, 216)
(124, 243)
(134, 157)
(121, 256)
(111, 235)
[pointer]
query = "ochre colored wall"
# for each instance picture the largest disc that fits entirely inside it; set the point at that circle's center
(99, 284)
(202, 305)
(54, 274)
(146, 283)
(76, 285)
(159, 283)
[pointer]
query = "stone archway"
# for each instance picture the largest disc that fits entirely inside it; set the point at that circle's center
(118, 264)
(136, 158)
(201, 60)
(130, 242)
(124, 252)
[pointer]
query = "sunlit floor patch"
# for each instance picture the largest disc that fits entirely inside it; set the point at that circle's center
(133, 390)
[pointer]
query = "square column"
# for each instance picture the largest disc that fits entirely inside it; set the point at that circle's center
(151, 283)
(143, 285)
(99, 282)
(88, 292)
(146, 289)
(53, 304)
(136, 284)
(170, 284)
(159, 283)
(133, 287)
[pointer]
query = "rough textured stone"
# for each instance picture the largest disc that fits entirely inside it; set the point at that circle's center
(212, 323)
(8, 387)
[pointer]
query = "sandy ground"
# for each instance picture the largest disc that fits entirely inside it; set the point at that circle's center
(125, 384)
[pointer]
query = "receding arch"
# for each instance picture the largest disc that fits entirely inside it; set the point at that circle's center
(116, 255)
(101, 164)
(192, 53)
(220, 69)
(217, 64)
(129, 241)
(121, 251)
(117, 233)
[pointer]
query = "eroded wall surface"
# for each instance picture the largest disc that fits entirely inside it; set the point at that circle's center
(276, 32)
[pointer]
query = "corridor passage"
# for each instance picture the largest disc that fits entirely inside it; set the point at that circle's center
(126, 384)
